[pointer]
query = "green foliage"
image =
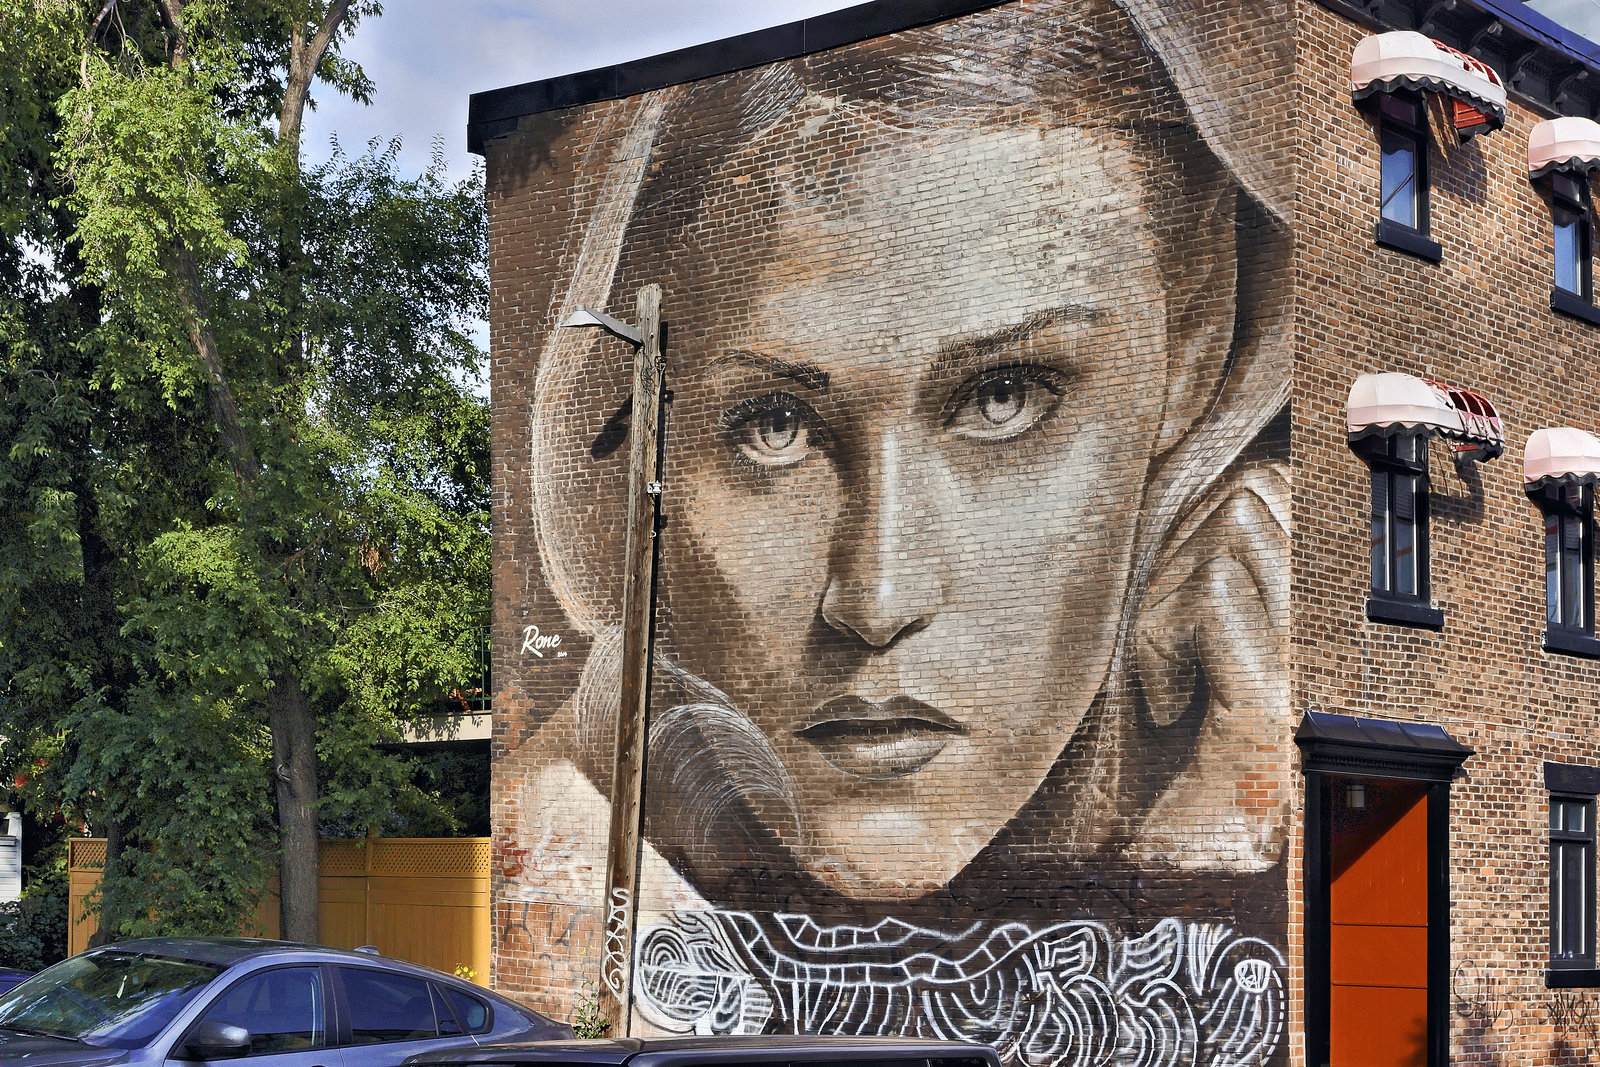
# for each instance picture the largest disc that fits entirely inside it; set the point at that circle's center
(587, 1020)
(162, 573)
(33, 930)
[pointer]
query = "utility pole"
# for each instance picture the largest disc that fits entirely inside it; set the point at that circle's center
(638, 589)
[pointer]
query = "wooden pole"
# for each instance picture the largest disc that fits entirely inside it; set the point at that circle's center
(627, 779)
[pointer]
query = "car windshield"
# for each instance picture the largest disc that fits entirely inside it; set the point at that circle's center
(106, 997)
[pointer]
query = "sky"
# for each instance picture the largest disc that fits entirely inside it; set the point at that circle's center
(1579, 16)
(427, 56)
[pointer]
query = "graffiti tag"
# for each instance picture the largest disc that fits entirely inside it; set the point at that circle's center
(538, 643)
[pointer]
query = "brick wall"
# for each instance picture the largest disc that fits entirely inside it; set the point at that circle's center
(971, 701)
(1480, 318)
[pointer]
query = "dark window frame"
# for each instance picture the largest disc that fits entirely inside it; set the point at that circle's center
(1569, 198)
(330, 1009)
(1402, 123)
(1570, 783)
(346, 1035)
(1567, 952)
(1567, 512)
(449, 993)
(1393, 460)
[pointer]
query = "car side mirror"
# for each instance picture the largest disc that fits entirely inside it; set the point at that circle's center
(217, 1040)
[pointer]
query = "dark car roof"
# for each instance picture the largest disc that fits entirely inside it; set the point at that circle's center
(664, 1050)
(219, 950)
(227, 951)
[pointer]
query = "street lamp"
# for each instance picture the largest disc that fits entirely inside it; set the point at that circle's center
(638, 584)
(586, 316)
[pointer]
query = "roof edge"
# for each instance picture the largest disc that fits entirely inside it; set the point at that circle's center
(1544, 66)
(495, 112)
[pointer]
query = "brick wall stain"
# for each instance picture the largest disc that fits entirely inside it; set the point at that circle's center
(971, 695)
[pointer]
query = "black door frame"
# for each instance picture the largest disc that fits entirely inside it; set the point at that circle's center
(1345, 746)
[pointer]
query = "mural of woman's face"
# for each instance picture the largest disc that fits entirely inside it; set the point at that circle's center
(906, 464)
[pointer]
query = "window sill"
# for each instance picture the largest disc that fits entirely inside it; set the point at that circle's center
(1405, 239)
(1407, 612)
(1572, 978)
(1573, 642)
(1574, 305)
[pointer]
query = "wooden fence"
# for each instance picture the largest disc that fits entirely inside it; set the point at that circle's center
(420, 899)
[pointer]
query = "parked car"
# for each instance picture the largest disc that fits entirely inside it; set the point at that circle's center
(770, 1049)
(160, 1000)
(10, 976)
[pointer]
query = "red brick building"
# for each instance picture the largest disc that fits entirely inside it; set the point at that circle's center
(1124, 586)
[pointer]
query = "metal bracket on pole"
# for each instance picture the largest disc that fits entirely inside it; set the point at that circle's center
(586, 316)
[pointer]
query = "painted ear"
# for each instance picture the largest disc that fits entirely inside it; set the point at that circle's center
(1210, 651)
(1201, 309)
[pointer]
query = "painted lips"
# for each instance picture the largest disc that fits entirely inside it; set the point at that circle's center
(888, 740)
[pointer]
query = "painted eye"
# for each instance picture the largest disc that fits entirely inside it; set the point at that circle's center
(771, 431)
(1000, 404)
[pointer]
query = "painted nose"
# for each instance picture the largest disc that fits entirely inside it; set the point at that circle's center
(884, 572)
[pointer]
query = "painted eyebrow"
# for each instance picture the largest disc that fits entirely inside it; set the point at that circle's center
(981, 347)
(807, 376)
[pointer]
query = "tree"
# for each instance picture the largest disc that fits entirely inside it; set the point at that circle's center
(244, 507)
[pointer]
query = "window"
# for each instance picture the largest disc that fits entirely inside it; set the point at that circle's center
(1573, 269)
(1568, 567)
(1400, 139)
(1572, 788)
(1569, 201)
(1399, 528)
(1403, 175)
(387, 1007)
(283, 1009)
(473, 1013)
(1572, 882)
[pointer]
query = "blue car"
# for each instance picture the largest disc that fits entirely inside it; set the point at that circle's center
(10, 976)
(177, 1000)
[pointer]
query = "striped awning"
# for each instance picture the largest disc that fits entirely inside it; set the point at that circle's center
(1391, 403)
(1405, 59)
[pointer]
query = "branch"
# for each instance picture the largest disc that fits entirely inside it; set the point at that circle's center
(241, 453)
(99, 20)
(303, 63)
(172, 20)
(90, 39)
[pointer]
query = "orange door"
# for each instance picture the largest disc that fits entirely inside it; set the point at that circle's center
(1378, 907)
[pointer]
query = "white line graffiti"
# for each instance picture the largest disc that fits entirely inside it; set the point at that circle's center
(619, 923)
(1067, 994)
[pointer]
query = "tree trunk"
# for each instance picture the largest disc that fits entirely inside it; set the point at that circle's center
(294, 760)
(289, 717)
(110, 881)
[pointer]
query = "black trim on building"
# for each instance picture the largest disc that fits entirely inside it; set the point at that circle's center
(1405, 239)
(495, 112)
(1405, 612)
(1544, 65)
(1571, 978)
(1375, 748)
(1571, 778)
(1571, 643)
(1576, 306)
(1344, 744)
